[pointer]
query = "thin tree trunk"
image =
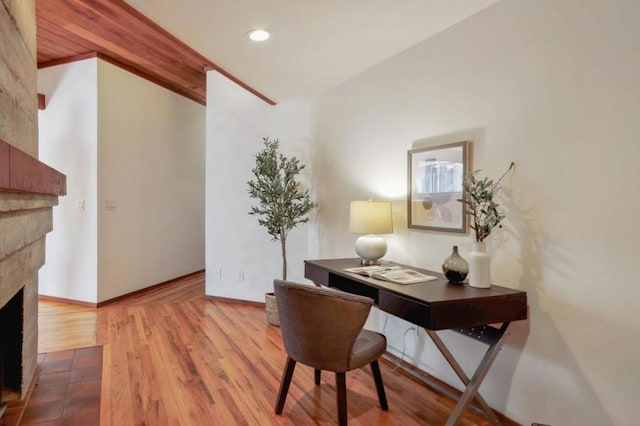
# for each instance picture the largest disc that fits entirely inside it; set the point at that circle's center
(283, 241)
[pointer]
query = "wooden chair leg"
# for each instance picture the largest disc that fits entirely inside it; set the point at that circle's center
(341, 398)
(287, 374)
(317, 376)
(382, 397)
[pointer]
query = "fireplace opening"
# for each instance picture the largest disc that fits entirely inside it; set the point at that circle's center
(11, 320)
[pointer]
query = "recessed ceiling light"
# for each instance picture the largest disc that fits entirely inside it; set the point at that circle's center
(258, 35)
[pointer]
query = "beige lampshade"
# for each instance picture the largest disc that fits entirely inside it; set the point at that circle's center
(370, 217)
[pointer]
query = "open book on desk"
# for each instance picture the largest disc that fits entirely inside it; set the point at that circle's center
(394, 274)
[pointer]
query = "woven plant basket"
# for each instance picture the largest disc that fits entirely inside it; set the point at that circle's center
(272, 309)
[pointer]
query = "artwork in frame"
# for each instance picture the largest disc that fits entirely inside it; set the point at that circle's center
(435, 177)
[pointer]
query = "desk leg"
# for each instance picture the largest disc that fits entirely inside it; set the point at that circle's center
(472, 385)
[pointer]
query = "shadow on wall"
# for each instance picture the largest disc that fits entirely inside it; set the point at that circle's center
(546, 344)
(519, 332)
(332, 214)
(307, 153)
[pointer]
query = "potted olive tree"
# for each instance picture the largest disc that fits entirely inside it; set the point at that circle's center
(282, 202)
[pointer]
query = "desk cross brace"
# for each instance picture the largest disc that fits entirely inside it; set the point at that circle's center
(473, 384)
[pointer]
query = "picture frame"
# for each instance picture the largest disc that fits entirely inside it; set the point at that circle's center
(435, 183)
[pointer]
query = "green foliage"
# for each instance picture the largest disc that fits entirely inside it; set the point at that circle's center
(282, 202)
(480, 204)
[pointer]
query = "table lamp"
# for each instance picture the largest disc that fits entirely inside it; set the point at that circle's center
(370, 218)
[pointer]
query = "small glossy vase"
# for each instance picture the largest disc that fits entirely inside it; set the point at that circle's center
(479, 266)
(455, 268)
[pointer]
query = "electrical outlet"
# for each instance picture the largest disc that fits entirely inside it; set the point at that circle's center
(219, 274)
(241, 276)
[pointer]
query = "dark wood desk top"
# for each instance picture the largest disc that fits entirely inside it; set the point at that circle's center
(433, 304)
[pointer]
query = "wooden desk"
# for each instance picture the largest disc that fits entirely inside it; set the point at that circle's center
(436, 305)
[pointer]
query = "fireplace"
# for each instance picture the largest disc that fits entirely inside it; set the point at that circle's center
(11, 319)
(28, 191)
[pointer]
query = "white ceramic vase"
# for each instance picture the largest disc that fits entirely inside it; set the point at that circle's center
(479, 266)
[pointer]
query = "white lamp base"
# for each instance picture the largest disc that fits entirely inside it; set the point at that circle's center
(371, 248)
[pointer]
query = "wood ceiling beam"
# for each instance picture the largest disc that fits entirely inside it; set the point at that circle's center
(121, 35)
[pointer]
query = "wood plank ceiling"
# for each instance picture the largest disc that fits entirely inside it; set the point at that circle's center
(69, 30)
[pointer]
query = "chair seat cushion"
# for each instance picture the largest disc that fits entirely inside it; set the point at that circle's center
(368, 347)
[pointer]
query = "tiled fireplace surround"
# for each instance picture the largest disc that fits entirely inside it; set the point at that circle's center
(28, 191)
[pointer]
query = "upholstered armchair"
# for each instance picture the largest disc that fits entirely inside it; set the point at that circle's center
(323, 328)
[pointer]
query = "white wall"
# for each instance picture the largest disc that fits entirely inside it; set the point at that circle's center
(236, 123)
(68, 142)
(151, 166)
(553, 86)
(120, 138)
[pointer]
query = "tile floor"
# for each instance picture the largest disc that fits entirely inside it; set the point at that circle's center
(67, 390)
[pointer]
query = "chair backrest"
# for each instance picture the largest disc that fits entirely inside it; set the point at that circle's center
(320, 325)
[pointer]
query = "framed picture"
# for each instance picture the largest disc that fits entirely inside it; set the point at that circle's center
(435, 177)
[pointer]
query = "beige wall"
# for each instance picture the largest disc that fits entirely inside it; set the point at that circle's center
(139, 146)
(553, 86)
(241, 250)
(69, 124)
(151, 149)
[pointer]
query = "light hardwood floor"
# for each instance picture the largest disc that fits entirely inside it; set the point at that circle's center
(174, 357)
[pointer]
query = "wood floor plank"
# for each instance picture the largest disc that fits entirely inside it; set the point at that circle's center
(105, 400)
(174, 357)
